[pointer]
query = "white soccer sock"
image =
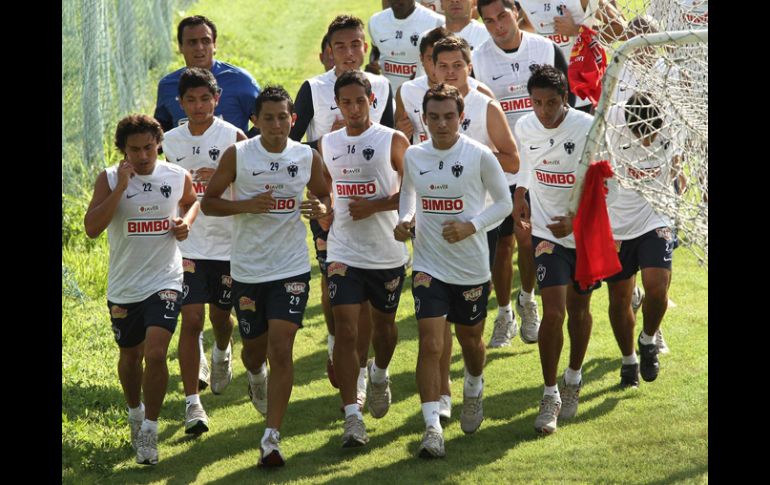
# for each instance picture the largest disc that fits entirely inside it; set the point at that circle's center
(573, 377)
(352, 409)
(330, 345)
(524, 297)
(430, 415)
(630, 359)
(259, 377)
(473, 384)
(362, 378)
(191, 399)
(552, 391)
(446, 399)
(137, 412)
(379, 375)
(646, 339)
(200, 346)
(148, 425)
(267, 433)
(504, 309)
(218, 355)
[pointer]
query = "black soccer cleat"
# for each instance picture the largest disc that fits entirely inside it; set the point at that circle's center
(648, 361)
(629, 376)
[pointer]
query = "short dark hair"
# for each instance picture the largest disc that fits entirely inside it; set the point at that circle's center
(442, 92)
(196, 77)
(452, 43)
(484, 3)
(643, 118)
(342, 22)
(435, 35)
(547, 76)
(352, 77)
(134, 124)
(192, 21)
(275, 93)
(325, 42)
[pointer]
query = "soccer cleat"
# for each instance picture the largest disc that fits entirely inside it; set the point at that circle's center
(432, 445)
(637, 298)
(195, 420)
(378, 395)
(330, 373)
(269, 452)
(570, 395)
(204, 374)
(530, 320)
(222, 372)
(444, 409)
(147, 448)
(505, 329)
(135, 425)
(258, 392)
(472, 414)
(545, 423)
(355, 432)
(648, 360)
(660, 343)
(629, 376)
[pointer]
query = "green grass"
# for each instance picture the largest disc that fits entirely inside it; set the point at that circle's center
(657, 434)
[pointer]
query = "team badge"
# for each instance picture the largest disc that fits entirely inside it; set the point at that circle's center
(560, 9)
(416, 305)
(544, 247)
(374, 102)
(551, 141)
(295, 287)
(245, 326)
(336, 268)
(473, 294)
(292, 169)
(185, 291)
(413, 39)
(116, 331)
(188, 265)
(246, 303)
(457, 169)
(466, 123)
(332, 289)
(118, 312)
(569, 147)
(540, 273)
(168, 295)
(214, 153)
(227, 281)
(422, 279)
(368, 152)
(165, 189)
(392, 284)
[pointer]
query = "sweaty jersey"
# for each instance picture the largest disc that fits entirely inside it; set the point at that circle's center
(239, 92)
(451, 185)
(361, 166)
(271, 246)
(398, 41)
(210, 236)
(551, 158)
(144, 257)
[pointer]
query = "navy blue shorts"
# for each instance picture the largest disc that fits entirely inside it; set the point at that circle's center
(131, 320)
(506, 227)
(462, 304)
(653, 249)
(556, 265)
(350, 286)
(207, 281)
(256, 303)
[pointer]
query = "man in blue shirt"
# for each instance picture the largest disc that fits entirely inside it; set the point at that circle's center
(197, 37)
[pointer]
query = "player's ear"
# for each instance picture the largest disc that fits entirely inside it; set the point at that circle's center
(293, 119)
(371, 97)
(366, 47)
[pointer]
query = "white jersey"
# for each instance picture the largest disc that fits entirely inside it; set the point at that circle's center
(628, 81)
(474, 123)
(360, 166)
(271, 246)
(144, 257)
(681, 14)
(451, 185)
(210, 237)
(630, 214)
(507, 75)
(325, 110)
(551, 158)
(398, 41)
(541, 15)
(474, 33)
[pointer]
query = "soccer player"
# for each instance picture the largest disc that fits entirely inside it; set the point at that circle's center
(395, 34)
(137, 202)
(325, 56)
(647, 240)
(450, 175)
(196, 146)
(269, 260)
(552, 139)
(197, 39)
(434, 5)
(364, 161)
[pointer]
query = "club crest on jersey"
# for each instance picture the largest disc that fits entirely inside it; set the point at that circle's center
(336, 268)
(246, 303)
(422, 279)
(332, 289)
(214, 153)
(188, 265)
(569, 147)
(374, 103)
(551, 141)
(393, 284)
(227, 281)
(118, 312)
(540, 273)
(665, 233)
(457, 169)
(473, 294)
(560, 9)
(368, 152)
(414, 38)
(544, 247)
(165, 190)
(292, 169)
(168, 295)
(466, 123)
(295, 287)
(147, 227)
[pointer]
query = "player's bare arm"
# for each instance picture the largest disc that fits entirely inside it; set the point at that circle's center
(361, 208)
(104, 201)
(521, 212)
(402, 120)
(318, 185)
(500, 135)
(214, 205)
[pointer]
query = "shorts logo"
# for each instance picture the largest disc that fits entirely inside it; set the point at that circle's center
(336, 268)
(295, 287)
(320, 244)
(416, 305)
(214, 153)
(165, 190)
(118, 312)
(188, 265)
(392, 284)
(332, 289)
(168, 295)
(116, 331)
(544, 247)
(368, 153)
(665, 233)
(227, 281)
(473, 294)
(422, 279)
(246, 303)
(185, 291)
(540, 273)
(245, 326)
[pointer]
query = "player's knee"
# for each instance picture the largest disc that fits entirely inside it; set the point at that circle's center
(553, 316)
(192, 321)
(155, 356)
(431, 346)
(656, 291)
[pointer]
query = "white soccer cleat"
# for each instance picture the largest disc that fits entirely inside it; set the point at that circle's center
(222, 372)
(530, 320)
(135, 425)
(270, 455)
(444, 409)
(378, 394)
(258, 392)
(432, 445)
(472, 414)
(505, 329)
(147, 448)
(204, 374)
(195, 420)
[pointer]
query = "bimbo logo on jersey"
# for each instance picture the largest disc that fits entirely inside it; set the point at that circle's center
(148, 227)
(399, 69)
(199, 187)
(442, 205)
(561, 40)
(284, 205)
(562, 180)
(348, 188)
(516, 105)
(643, 173)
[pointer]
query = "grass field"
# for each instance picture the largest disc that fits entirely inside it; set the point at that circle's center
(656, 434)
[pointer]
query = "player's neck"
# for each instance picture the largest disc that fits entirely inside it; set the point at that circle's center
(406, 14)
(439, 145)
(339, 71)
(197, 129)
(559, 121)
(464, 89)
(455, 26)
(356, 131)
(514, 43)
(272, 145)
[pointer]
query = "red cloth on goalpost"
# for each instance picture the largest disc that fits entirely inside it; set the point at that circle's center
(587, 63)
(596, 256)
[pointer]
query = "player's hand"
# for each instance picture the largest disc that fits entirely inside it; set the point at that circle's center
(312, 208)
(338, 123)
(405, 126)
(360, 208)
(326, 221)
(402, 231)
(521, 213)
(456, 231)
(125, 173)
(562, 227)
(203, 174)
(564, 25)
(181, 229)
(262, 203)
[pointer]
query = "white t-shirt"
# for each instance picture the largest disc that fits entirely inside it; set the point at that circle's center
(271, 246)
(361, 166)
(550, 159)
(210, 237)
(144, 257)
(451, 185)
